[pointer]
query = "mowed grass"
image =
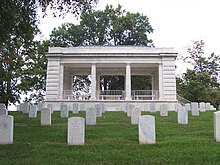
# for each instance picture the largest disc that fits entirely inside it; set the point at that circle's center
(112, 141)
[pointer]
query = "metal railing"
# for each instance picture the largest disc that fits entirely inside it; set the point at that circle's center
(145, 94)
(71, 95)
(113, 95)
(182, 100)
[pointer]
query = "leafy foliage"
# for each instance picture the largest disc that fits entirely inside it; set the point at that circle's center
(201, 83)
(111, 26)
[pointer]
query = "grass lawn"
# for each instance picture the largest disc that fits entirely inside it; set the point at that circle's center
(112, 141)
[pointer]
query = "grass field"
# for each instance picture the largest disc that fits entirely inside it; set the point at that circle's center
(112, 141)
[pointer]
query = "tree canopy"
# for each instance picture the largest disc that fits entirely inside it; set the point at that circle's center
(108, 27)
(202, 82)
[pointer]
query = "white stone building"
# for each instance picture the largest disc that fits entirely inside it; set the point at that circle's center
(64, 63)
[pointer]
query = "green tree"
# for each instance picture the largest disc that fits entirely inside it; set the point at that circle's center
(201, 82)
(111, 26)
(18, 26)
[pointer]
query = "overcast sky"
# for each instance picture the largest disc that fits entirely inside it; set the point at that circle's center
(176, 22)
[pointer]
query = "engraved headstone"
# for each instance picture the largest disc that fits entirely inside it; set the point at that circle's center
(152, 107)
(64, 110)
(25, 107)
(217, 126)
(195, 109)
(177, 106)
(6, 129)
(75, 108)
(135, 113)
(164, 109)
(188, 106)
(202, 107)
(40, 106)
(82, 107)
(46, 116)
(76, 131)
(3, 110)
(130, 107)
(98, 110)
(207, 106)
(50, 106)
(146, 129)
(182, 115)
(91, 116)
(33, 111)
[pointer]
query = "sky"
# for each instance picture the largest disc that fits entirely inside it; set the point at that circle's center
(176, 23)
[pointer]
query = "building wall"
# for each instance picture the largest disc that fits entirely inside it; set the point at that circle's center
(53, 75)
(169, 80)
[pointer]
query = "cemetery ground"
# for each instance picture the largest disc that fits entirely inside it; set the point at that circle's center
(112, 141)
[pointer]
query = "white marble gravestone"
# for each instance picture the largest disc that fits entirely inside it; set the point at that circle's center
(212, 108)
(195, 109)
(207, 106)
(217, 126)
(82, 107)
(6, 129)
(152, 107)
(164, 109)
(25, 107)
(75, 108)
(76, 131)
(177, 106)
(64, 111)
(135, 113)
(182, 115)
(98, 110)
(188, 106)
(219, 107)
(33, 111)
(3, 110)
(40, 105)
(50, 106)
(46, 116)
(146, 129)
(202, 107)
(90, 116)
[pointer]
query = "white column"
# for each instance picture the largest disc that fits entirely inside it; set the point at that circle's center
(160, 78)
(93, 82)
(128, 82)
(97, 86)
(61, 81)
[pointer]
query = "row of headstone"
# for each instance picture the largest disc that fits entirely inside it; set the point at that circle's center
(202, 107)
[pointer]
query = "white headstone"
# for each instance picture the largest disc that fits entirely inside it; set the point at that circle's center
(202, 107)
(195, 109)
(182, 115)
(33, 111)
(64, 111)
(46, 116)
(76, 131)
(3, 110)
(219, 107)
(212, 108)
(135, 113)
(188, 106)
(6, 129)
(146, 129)
(82, 107)
(152, 107)
(98, 110)
(207, 106)
(50, 106)
(40, 106)
(130, 107)
(217, 126)
(25, 107)
(164, 109)
(177, 106)
(91, 116)
(75, 108)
